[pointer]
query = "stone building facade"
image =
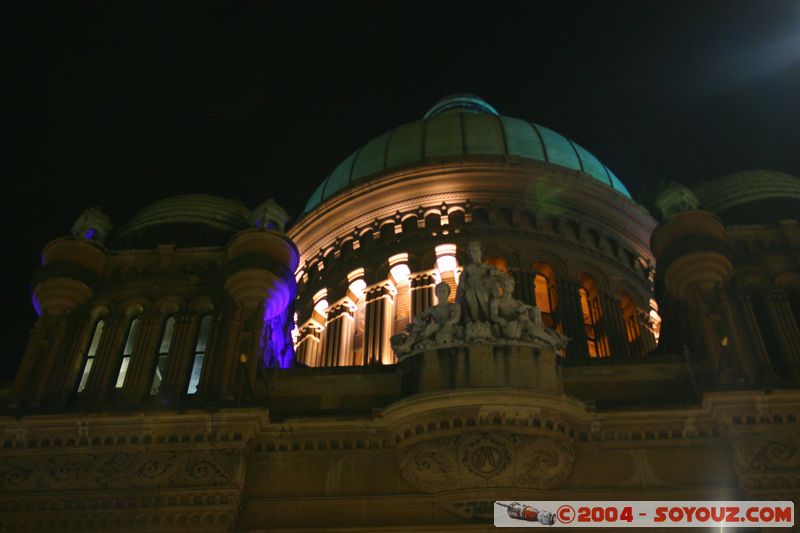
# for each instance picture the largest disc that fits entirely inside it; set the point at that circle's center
(201, 367)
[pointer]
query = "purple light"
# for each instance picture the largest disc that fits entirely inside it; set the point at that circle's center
(88, 234)
(277, 350)
(36, 305)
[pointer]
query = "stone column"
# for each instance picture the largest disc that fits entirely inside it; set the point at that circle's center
(107, 359)
(53, 356)
(179, 357)
(569, 315)
(29, 361)
(754, 334)
(378, 323)
(736, 334)
(309, 345)
(612, 325)
(788, 334)
(337, 339)
(64, 378)
(422, 293)
(29, 372)
(140, 371)
(224, 361)
(646, 341)
(207, 376)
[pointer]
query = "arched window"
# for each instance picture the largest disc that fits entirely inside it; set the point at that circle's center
(127, 352)
(498, 262)
(91, 352)
(161, 358)
(632, 327)
(544, 292)
(199, 354)
(596, 343)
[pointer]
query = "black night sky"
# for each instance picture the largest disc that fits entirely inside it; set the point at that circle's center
(117, 105)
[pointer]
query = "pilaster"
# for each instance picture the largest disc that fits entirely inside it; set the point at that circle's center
(613, 327)
(338, 335)
(180, 352)
(570, 316)
(140, 370)
(108, 357)
(422, 292)
(378, 324)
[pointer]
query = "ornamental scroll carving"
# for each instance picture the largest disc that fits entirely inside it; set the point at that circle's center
(768, 465)
(153, 469)
(769, 453)
(496, 459)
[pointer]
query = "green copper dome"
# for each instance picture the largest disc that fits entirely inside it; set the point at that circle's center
(456, 126)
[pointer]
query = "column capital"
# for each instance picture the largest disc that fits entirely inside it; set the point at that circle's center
(380, 289)
(344, 306)
(422, 279)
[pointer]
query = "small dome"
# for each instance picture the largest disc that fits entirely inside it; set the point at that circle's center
(189, 220)
(751, 196)
(457, 126)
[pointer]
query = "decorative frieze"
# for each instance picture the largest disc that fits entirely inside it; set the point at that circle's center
(123, 470)
(487, 459)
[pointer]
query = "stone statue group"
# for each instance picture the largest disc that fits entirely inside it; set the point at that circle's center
(485, 311)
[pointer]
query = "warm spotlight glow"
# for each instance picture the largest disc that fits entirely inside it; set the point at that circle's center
(399, 270)
(321, 301)
(446, 258)
(357, 283)
(357, 288)
(321, 306)
(400, 274)
(655, 319)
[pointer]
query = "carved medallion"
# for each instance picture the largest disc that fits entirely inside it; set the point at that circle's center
(496, 459)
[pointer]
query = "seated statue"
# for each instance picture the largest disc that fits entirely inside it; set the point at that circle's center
(515, 320)
(438, 324)
(510, 317)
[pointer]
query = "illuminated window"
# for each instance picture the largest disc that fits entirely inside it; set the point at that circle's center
(545, 294)
(199, 354)
(161, 358)
(632, 328)
(91, 352)
(596, 344)
(133, 333)
(498, 262)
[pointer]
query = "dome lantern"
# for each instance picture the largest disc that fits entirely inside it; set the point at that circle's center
(460, 103)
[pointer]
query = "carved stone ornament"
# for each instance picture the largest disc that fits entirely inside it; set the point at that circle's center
(768, 465)
(486, 312)
(496, 459)
(769, 453)
(202, 468)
